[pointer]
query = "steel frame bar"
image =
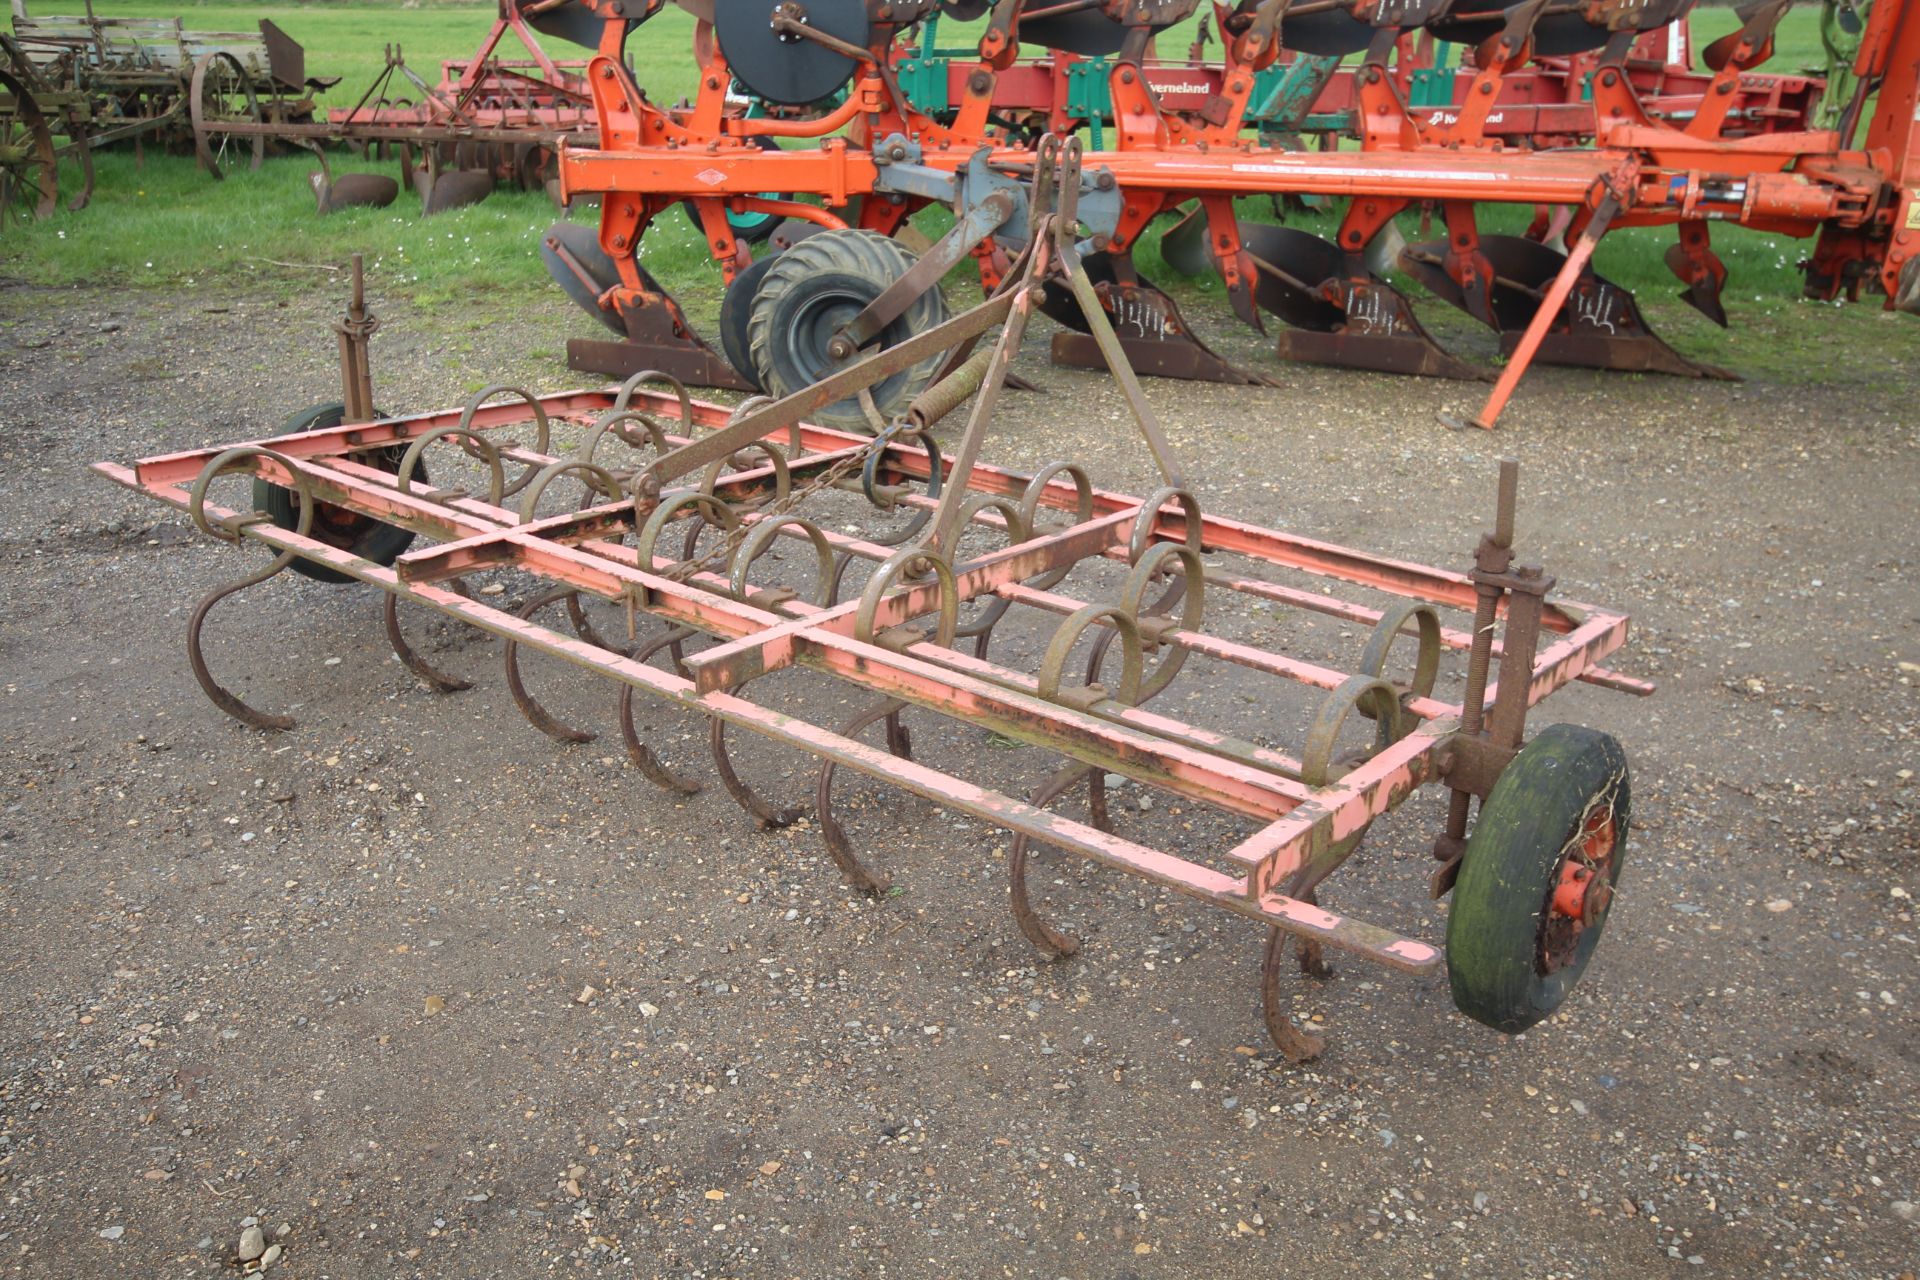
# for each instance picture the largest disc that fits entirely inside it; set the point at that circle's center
(1291, 551)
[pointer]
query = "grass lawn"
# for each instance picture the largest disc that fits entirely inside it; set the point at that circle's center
(165, 224)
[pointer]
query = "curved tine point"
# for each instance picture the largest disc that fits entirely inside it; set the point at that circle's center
(1296, 1043)
(530, 707)
(430, 675)
(638, 751)
(1051, 943)
(763, 814)
(642, 755)
(220, 697)
(839, 848)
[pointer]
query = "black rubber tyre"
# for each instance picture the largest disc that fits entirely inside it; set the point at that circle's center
(1511, 959)
(337, 526)
(736, 309)
(815, 288)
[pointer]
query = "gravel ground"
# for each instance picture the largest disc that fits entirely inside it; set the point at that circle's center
(412, 991)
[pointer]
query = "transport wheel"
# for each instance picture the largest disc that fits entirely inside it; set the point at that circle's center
(1537, 879)
(810, 293)
(364, 536)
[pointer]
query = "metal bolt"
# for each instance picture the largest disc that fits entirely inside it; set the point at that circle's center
(619, 242)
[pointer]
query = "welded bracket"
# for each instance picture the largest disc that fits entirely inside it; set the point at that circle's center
(900, 172)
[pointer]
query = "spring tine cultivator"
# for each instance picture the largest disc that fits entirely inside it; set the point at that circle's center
(731, 541)
(1653, 149)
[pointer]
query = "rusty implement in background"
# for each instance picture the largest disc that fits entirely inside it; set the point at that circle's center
(489, 120)
(730, 529)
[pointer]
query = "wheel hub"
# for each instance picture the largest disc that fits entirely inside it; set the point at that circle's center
(791, 13)
(816, 341)
(1582, 889)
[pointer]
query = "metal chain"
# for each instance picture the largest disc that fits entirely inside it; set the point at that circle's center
(724, 550)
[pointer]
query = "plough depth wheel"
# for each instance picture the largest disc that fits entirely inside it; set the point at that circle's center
(810, 293)
(1537, 880)
(337, 526)
(736, 312)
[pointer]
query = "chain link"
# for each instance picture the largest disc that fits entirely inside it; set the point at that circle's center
(725, 549)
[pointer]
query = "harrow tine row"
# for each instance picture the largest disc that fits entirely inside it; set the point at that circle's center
(672, 506)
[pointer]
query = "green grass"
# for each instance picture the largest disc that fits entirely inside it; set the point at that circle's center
(165, 224)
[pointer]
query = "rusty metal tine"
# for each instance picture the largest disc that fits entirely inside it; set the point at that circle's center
(434, 678)
(529, 706)
(214, 690)
(1051, 943)
(1297, 1044)
(765, 815)
(638, 751)
(862, 877)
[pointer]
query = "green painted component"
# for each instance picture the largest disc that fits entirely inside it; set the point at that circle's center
(1089, 98)
(1327, 122)
(1430, 87)
(1287, 92)
(924, 81)
(1842, 47)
